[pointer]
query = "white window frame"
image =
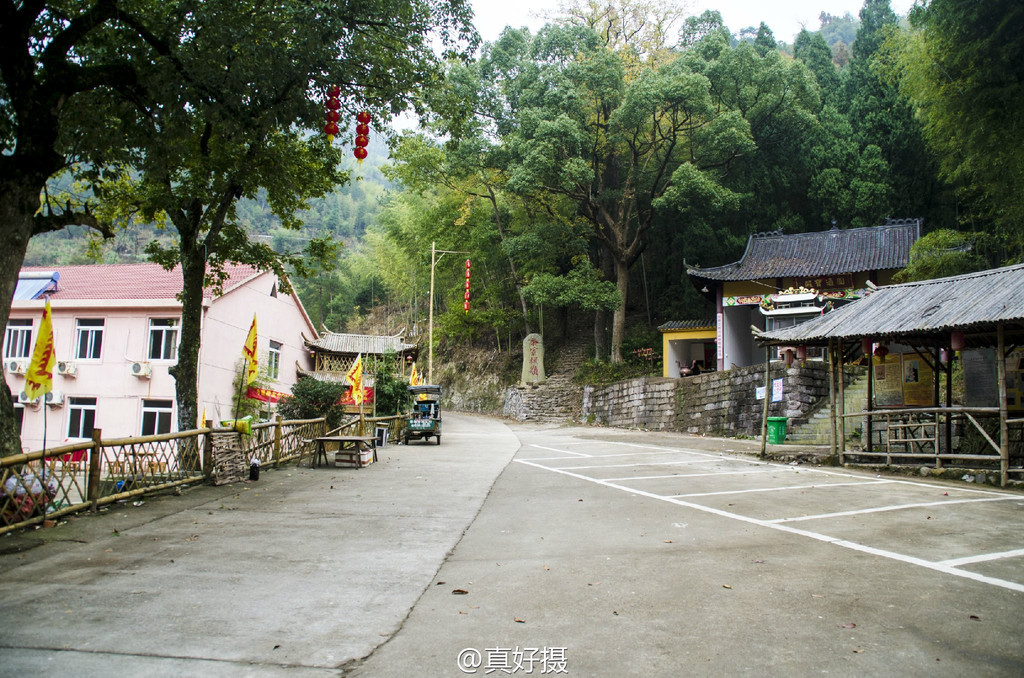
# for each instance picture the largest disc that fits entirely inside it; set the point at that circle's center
(82, 408)
(274, 359)
(166, 331)
(89, 330)
(157, 409)
(18, 338)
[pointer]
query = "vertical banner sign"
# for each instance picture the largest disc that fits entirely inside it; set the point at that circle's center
(465, 304)
(249, 354)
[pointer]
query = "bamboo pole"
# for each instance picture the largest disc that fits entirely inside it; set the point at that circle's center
(1004, 432)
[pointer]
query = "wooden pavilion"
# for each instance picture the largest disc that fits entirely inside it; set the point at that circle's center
(909, 334)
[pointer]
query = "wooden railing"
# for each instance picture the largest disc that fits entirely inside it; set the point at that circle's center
(919, 436)
(47, 484)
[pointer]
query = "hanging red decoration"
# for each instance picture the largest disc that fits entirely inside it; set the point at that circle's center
(362, 135)
(332, 116)
(465, 304)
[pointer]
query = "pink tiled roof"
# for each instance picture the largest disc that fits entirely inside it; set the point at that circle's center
(129, 281)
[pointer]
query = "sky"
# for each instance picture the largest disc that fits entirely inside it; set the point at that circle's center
(784, 17)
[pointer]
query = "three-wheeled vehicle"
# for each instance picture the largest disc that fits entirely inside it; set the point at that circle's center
(425, 420)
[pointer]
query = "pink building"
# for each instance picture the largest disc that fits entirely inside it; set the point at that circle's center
(116, 331)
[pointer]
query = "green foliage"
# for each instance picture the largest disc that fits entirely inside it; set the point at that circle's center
(391, 392)
(961, 68)
(944, 253)
(312, 398)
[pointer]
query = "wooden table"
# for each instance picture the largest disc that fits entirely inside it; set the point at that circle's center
(349, 449)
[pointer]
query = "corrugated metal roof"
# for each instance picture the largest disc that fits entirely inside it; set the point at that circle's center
(975, 302)
(774, 255)
(360, 343)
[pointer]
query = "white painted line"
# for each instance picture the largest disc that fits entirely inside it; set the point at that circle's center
(690, 475)
(555, 449)
(968, 560)
(777, 489)
(895, 507)
(862, 548)
(654, 463)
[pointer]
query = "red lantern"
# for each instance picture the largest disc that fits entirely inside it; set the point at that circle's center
(363, 129)
(332, 116)
(957, 340)
(465, 305)
(363, 117)
(360, 153)
(333, 104)
(333, 91)
(330, 129)
(466, 302)
(362, 141)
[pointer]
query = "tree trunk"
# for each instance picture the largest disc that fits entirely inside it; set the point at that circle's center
(18, 203)
(186, 372)
(619, 316)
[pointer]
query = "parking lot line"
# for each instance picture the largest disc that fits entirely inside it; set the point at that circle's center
(938, 566)
(777, 489)
(985, 557)
(894, 507)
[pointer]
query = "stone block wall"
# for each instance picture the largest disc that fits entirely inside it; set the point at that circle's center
(718, 403)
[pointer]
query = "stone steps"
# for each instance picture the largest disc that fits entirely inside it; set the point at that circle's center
(558, 399)
(818, 429)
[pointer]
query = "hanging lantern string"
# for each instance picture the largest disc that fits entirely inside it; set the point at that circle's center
(332, 116)
(362, 136)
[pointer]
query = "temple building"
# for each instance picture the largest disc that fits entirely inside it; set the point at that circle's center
(782, 281)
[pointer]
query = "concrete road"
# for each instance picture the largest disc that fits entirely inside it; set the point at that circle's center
(609, 553)
(523, 550)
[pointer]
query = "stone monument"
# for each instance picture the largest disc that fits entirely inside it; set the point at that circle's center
(533, 360)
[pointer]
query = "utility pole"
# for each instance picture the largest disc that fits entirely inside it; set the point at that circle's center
(430, 316)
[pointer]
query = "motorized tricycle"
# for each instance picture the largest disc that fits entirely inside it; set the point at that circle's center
(425, 420)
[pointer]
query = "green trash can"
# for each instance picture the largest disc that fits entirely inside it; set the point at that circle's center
(776, 430)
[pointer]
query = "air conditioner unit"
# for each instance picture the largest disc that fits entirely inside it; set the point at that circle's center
(67, 368)
(23, 399)
(17, 366)
(142, 370)
(54, 399)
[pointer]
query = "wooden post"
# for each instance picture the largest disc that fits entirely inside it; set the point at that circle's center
(1004, 433)
(92, 484)
(277, 439)
(767, 395)
(208, 451)
(841, 433)
(833, 446)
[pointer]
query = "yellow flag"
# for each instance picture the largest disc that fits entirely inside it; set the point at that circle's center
(355, 378)
(39, 379)
(249, 353)
(413, 379)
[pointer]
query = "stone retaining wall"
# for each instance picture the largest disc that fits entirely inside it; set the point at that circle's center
(719, 403)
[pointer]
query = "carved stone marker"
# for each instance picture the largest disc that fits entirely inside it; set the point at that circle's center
(533, 359)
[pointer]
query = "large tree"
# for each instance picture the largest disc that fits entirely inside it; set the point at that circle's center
(961, 67)
(196, 105)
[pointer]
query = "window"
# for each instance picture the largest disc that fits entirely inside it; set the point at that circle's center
(163, 338)
(18, 341)
(89, 338)
(274, 360)
(19, 416)
(81, 417)
(156, 417)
